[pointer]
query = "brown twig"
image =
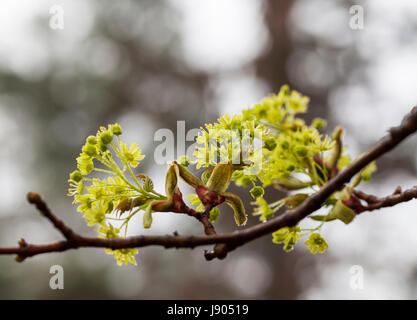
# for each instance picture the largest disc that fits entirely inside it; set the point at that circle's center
(375, 203)
(228, 242)
(219, 250)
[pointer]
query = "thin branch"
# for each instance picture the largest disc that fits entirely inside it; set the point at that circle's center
(220, 250)
(35, 199)
(227, 242)
(375, 203)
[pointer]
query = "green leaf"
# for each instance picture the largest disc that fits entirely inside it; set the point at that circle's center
(214, 214)
(237, 205)
(220, 178)
(295, 200)
(147, 217)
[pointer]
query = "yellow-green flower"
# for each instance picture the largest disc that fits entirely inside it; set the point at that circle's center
(108, 232)
(84, 200)
(132, 155)
(195, 200)
(124, 256)
(316, 243)
(262, 209)
(288, 236)
(96, 215)
(85, 164)
(298, 102)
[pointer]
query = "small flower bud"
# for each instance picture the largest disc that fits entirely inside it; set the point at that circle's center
(91, 140)
(285, 145)
(257, 192)
(76, 176)
(290, 168)
(102, 147)
(245, 181)
(285, 89)
(20, 258)
(184, 160)
(270, 144)
(34, 197)
(22, 243)
(117, 129)
(319, 123)
(301, 151)
(106, 137)
(90, 150)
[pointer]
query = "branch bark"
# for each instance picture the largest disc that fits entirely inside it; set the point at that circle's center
(228, 242)
(375, 203)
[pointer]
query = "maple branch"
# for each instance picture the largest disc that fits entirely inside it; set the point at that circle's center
(375, 203)
(228, 242)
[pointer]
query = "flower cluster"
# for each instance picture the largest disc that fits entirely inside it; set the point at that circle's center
(293, 155)
(266, 145)
(99, 199)
(230, 139)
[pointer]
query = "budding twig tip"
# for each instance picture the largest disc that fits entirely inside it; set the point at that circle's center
(22, 243)
(34, 197)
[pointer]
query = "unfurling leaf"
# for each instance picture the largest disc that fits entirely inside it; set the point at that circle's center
(320, 217)
(295, 200)
(205, 176)
(188, 177)
(337, 151)
(291, 184)
(368, 171)
(220, 178)
(130, 203)
(339, 211)
(147, 182)
(343, 212)
(147, 217)
(214, 214)
(236, 203)
(171, 182)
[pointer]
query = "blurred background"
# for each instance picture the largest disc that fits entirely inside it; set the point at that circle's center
(147, 64)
